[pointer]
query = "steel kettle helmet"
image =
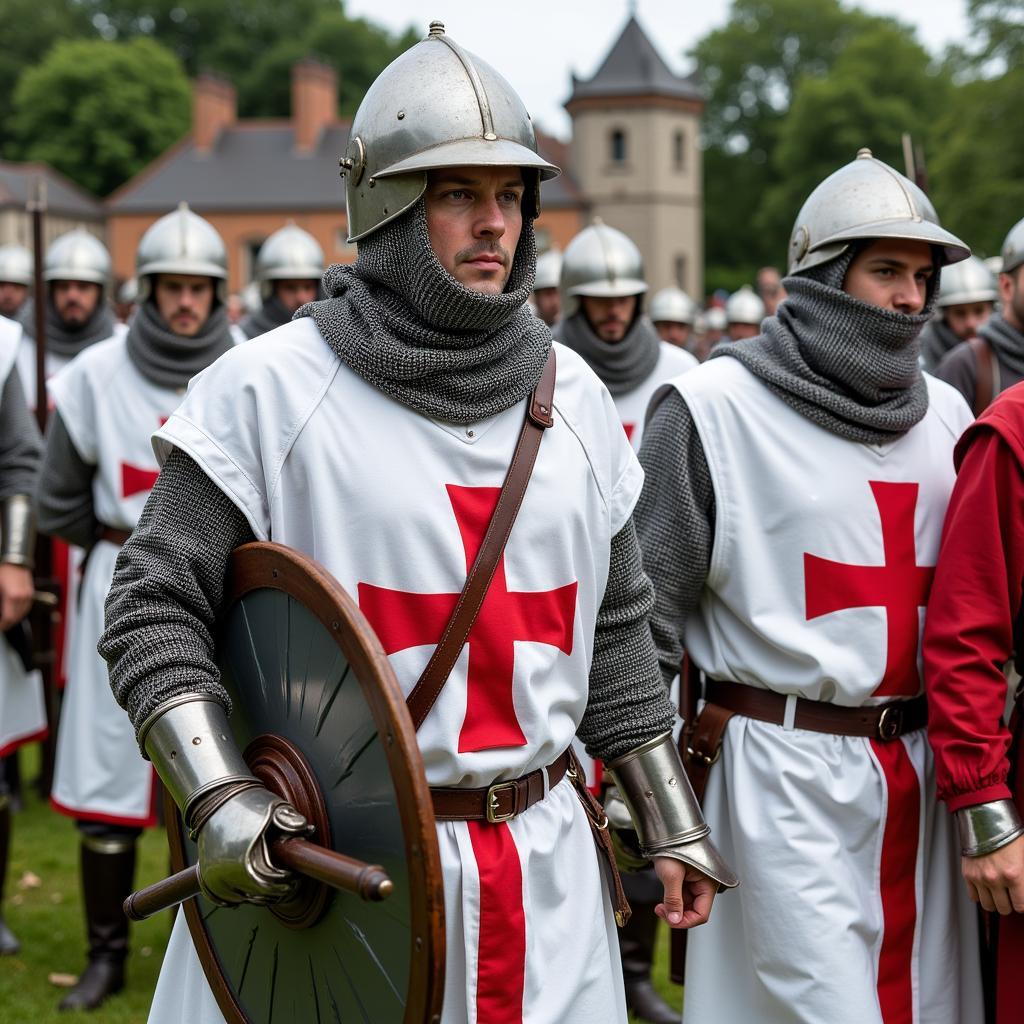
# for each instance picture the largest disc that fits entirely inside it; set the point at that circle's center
(288, 254)
(77, 256)
(744, 307)
(549, 270)
(1013, 248)
(967, 281)
(181, 242)
(866, 199)
(601, 262)
(674, 306)
(435, 106)
(15, 265)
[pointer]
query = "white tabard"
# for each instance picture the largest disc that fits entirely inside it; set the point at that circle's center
(110, 411)
(851, 909)
(632, 406)
(394, 504)
(22, 710)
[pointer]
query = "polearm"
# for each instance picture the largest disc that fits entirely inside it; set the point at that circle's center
(43, 612)
(913, 160)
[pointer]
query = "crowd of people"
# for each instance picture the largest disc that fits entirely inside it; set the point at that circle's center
(783, 530)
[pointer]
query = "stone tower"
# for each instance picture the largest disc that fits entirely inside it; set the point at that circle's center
(636, 156)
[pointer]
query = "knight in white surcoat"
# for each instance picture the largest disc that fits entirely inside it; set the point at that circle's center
(22, 711)
(796, 488)
(373, 432)
(603, 287)
(97, 473)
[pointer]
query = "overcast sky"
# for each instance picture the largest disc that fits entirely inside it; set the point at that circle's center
(536, 44)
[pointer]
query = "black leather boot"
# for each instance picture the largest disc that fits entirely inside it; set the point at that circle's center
(108, 871)
(636, 945)
(9, 945)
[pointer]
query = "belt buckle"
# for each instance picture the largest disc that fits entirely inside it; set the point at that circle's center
(494, 816)
(890, 722)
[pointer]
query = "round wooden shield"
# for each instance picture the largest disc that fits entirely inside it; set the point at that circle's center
(323, 721)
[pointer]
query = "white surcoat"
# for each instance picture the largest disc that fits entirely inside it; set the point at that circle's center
(851, 907)
(392, 504)
(632, 406)
(22, 710)
(110, 411)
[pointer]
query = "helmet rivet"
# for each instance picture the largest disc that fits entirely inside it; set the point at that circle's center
(437, 28)
(401, 115)
(864, 153)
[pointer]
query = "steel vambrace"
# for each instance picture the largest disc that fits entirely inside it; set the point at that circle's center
(223, 805)
(985, 828)
(668, 820)
(17, 531)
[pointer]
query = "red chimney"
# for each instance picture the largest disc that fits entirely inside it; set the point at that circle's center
(214, 108)
(314, 101)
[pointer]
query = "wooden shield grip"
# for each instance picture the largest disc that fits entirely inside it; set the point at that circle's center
(368, 881)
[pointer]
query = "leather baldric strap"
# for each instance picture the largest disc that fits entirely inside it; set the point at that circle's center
(985, 378)
(538, 418)
(113, 535)
(500, 802)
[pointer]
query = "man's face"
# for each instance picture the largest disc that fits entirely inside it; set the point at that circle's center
(549, 305)
(893, 274)
(75, 301)
(475, 217)
(769, 287)
(672, 332)
(609, 318)
(12, 295)
(965, 318)
(1011, 291)
(294, 293)
(184, 301)
(740, 331)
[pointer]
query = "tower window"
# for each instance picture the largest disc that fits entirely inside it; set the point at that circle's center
(618, 146)
(679, 150)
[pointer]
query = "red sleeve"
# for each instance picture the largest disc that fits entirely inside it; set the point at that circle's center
(968, 634)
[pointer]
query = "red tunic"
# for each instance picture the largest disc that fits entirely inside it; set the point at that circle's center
(975, 600)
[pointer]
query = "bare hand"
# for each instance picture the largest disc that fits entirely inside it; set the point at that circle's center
(16, 589)
(996, 881)
(688, 893)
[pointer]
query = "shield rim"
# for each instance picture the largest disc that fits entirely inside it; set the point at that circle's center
(266, 565)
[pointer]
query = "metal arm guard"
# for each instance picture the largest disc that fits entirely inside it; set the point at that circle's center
(190, 744)
(18, 529)
(668, 819)
(985, 828)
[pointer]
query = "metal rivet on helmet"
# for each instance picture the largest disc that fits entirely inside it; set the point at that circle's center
(866, 199)
(458, 111)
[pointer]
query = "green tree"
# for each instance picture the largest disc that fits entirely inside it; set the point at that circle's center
(997, 27)
(881, 85)
(30, 28)
(100, 111)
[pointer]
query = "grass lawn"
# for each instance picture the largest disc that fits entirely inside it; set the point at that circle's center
(43, 909)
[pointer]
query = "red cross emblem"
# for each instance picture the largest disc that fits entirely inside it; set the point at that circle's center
(629, 428)
(135, 480)
(900, 586)
(401, 620)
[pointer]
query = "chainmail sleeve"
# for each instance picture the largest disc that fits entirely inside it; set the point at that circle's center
(675, 520)
(20, 447)
(64, 505)
(168, 590)
(628, 703)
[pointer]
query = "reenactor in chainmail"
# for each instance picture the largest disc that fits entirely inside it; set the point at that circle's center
(96, 476)
(986, 365)
(790, 521)
(288, 271)
(22, 712)
(744, 312)
(372, 430)
(967, 299)
(603, 287)
(673, 314)
(16, 278)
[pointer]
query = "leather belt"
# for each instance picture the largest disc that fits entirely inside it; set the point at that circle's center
(500, 802)
(113, 534)
(885, 722)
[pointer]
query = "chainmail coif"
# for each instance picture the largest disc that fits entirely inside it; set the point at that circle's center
(622, 365)
(69, 341)
(847, 365)
(405, 325)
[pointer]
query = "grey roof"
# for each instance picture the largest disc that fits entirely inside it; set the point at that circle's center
(634, 67)
(254, 166)
(17, 186)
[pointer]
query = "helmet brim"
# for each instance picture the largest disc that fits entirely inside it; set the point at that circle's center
(473, 152)
(954, 250)
(617, 289)
(191, 268)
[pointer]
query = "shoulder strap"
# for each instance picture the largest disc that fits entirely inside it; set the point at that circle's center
(984, 390)
(538, 418)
